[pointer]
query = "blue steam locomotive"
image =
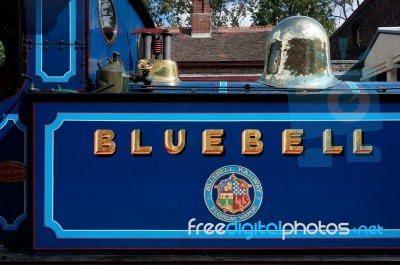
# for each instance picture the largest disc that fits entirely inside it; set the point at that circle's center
(102, 154)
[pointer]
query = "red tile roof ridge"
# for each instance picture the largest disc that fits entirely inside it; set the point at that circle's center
(187, 30)
(246, 29)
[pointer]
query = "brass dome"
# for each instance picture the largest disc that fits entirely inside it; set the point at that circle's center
(298, 56)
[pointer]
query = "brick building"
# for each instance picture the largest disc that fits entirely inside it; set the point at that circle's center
(382, 59)
(206, 53)
(351, 40)
(201, 19)
(354, 36)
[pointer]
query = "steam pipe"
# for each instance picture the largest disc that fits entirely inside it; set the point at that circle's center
(148, 38)
(167, 45)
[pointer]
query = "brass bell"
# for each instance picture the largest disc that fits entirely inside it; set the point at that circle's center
(298, 56)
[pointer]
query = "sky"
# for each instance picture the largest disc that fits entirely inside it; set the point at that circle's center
(349, 12)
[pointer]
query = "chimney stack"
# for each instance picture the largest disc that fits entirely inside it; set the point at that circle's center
(201, 19)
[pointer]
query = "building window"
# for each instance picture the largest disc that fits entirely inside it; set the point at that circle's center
(356, 30)
(358, 37)
(381, 77)
(398, 74)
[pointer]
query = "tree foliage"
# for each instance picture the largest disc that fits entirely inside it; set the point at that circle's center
(177, 13)
(170, 12)
(229, 13)
(265, 11)
(345, 7)
(262, 12)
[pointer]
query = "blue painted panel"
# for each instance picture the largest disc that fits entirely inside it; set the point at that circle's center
(13, 194)
(55, 25)
(58, 38)
(126, 201)
(63, 68)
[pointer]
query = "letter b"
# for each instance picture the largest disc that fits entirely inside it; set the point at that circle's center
(103, 142)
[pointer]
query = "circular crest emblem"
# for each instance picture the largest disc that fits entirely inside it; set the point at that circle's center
(233, 193)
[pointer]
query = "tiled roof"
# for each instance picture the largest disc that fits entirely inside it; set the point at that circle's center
(224, 45)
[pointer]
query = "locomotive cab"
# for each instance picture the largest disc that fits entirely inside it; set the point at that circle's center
(46, 47)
